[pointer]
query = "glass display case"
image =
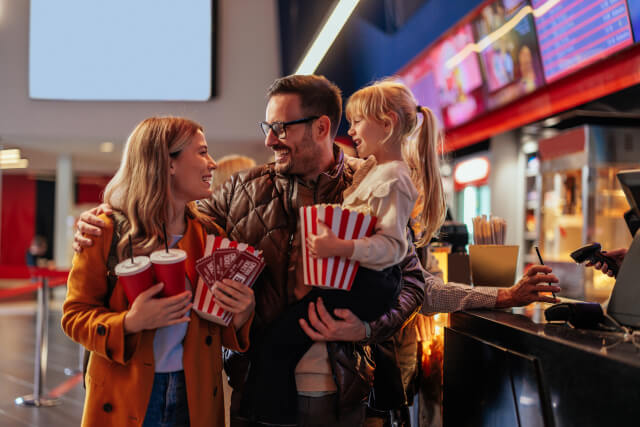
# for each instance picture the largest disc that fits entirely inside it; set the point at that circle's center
(582, 202)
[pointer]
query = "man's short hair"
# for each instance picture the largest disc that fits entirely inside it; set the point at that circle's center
(318, 96)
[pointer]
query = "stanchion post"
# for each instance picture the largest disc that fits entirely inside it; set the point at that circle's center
(80, 368)
(42, 349)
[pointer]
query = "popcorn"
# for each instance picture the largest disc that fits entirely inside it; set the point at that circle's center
(334, 272)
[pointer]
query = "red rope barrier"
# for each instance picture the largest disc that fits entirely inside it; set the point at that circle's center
(25, 272)
(25, 289)
(57, 278)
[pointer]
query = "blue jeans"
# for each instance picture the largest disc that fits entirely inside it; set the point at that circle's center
(168, 403)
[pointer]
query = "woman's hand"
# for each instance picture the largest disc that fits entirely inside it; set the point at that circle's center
(148, 312)
(533, 286)
(236, 298)
(326, 244)
(617, 255)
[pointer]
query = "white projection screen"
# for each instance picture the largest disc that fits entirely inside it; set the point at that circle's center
(142, 50)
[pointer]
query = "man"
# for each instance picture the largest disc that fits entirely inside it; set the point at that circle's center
(260, 207)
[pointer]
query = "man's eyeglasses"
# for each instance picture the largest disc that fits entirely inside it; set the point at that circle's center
(280, 128)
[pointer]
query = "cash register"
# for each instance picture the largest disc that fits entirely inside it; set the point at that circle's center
(624, 304)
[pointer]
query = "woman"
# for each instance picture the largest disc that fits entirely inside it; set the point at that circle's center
(154, 361)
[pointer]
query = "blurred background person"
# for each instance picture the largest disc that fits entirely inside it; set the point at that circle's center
(228, 165)
(35, 256)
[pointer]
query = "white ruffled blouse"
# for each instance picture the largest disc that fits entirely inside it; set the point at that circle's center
(387, 192)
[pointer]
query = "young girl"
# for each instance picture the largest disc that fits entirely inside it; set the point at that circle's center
(155, 361)
(383, 117)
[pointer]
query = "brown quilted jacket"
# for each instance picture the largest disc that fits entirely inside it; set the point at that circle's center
(258, 206)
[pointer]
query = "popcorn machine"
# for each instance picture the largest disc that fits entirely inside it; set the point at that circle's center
(582, 201)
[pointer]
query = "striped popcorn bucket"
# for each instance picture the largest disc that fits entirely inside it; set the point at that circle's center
(204, 303)
(335, 272)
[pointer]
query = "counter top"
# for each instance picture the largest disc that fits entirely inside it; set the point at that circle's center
(530, 320)
(511, 367)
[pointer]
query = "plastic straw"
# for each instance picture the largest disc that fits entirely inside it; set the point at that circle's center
(166, 242)
(131, 249)
(542, 262)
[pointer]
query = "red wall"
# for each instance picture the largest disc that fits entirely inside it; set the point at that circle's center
(18, 218)
(89, 189)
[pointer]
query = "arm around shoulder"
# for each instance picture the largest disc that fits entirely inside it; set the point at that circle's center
(87, 317)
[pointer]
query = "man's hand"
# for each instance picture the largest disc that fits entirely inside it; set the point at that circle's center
(528, 288)
(617, 255)
(325, 328)
(90, 225)
(326, 244)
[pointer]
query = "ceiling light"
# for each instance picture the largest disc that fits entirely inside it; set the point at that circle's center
(10, 154)
(10, 159)
(530, 147)
(326, 36)
(106, 147)
(14, 164)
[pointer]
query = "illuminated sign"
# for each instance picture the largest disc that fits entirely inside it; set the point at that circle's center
(471, 172)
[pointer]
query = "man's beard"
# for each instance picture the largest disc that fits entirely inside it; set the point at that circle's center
(304, 159)
(284, 167)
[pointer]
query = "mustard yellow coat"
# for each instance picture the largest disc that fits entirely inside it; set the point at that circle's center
(121, 368)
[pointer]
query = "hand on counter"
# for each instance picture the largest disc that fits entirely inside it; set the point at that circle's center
(528, 288)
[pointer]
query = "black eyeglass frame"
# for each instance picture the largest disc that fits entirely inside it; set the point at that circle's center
(283, 132)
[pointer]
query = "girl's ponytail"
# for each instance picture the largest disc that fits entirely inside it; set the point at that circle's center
(425, 167)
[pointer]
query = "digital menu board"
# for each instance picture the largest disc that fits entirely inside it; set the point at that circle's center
(574, 33)
(634, 14)
(506, 40)
(459, 85)
(510, 48)
(420, 79)
(426, 93)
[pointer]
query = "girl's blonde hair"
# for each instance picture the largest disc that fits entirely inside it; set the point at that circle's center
(228, 165)
(379, 102)
(141, 188)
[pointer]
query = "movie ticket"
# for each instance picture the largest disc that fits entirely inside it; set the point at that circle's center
(223, 258)
(245, 268)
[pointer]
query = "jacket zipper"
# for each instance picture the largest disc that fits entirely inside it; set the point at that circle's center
(294, 220)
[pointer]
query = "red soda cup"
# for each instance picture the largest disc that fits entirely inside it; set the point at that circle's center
(170, 269)
(135, 275)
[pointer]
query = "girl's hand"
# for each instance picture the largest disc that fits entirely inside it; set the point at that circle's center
(236, 298)
(148, 312)
(326, 244)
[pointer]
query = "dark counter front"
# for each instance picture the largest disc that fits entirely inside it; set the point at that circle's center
(505, 369)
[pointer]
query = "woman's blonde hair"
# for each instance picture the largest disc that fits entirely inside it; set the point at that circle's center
(228, 165)
(380, 101)
(141, 188)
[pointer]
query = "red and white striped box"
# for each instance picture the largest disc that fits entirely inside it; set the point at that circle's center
(334, 272)
(204, 303)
